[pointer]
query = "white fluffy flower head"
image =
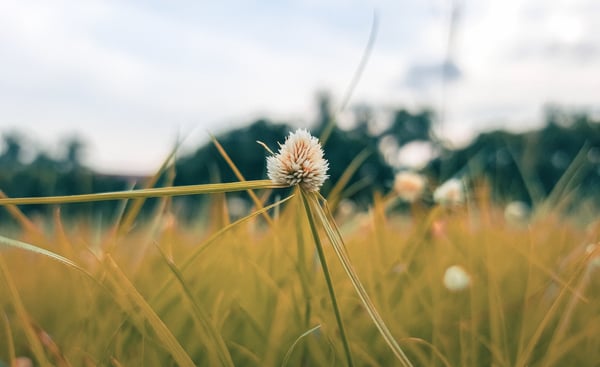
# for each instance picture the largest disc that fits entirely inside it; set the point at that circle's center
(299, 162)
(450, 192)
(456, 278)
(409, 185)
(516, 212)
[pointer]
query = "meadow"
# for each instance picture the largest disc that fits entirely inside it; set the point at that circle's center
(300, 281)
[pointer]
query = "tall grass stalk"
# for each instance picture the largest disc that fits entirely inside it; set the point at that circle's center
(241, 178)
(12, 356)
(126, 220)
(213, 334)
(288, 354)
(355, 77)
(27, 225)
(206, 244)
(326, 273)
(326, 219)
(335, 195)
(554, 347)
(146, 193)
(137, 303)
(32, 337)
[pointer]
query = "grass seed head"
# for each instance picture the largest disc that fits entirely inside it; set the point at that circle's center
(516, 212)
(299, 161)
(450, 192)
(23, 362)
(409, 185)
(456, 278)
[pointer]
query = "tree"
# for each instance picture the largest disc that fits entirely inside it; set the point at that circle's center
(11, 154)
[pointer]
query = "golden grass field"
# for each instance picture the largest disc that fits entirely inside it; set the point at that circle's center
(302, 281)
(254, 293)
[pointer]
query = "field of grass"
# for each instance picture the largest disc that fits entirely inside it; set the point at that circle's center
(253, 292)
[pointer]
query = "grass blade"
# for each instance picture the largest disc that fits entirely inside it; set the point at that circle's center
(26, 224)
(327, 275)
(121, 282)
(208, 242)
(146, 193)
(335, 195)
(8, 242)
(523, 359)
(247, 353)
(51, 347)
(12, 356)
(288, 354)
(115, 362)
(433, 348)
(34, 343)
(161, 330)
(569, 178)
(201, 315)
(127, 220)
(240, 177)
(355, 78)
(339, 247)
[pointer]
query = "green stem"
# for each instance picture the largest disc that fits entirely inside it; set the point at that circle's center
(327, 275)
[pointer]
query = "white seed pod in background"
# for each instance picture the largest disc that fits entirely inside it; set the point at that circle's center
(456, 278)
(450, 192)
(516, 212)
(409, 185)
(23, 362)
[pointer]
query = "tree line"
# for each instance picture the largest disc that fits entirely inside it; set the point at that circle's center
(517, 166)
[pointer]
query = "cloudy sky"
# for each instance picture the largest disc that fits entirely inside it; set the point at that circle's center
(130, 76)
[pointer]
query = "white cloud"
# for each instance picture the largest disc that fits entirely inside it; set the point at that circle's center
(509, 75)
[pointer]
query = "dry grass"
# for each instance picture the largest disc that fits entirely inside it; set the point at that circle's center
(254, 292)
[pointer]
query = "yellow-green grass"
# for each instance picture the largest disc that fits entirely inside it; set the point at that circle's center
(256, 296)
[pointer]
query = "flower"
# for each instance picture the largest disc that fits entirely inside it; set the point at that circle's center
(400, 268)
(23, 362)
(299, 162)
(450, 192)
(409, 185)
(516, 212)
(456, 278)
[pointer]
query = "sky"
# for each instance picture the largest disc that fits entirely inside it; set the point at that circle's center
(131, 77)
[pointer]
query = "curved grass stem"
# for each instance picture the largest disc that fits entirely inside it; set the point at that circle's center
(336, 310)
(337, 242)
(145, 193)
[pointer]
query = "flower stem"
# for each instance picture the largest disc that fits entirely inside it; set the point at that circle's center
(327, 275)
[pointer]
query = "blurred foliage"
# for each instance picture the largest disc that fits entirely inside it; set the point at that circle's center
(518, 166)
(47, 175)
(527, 166)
